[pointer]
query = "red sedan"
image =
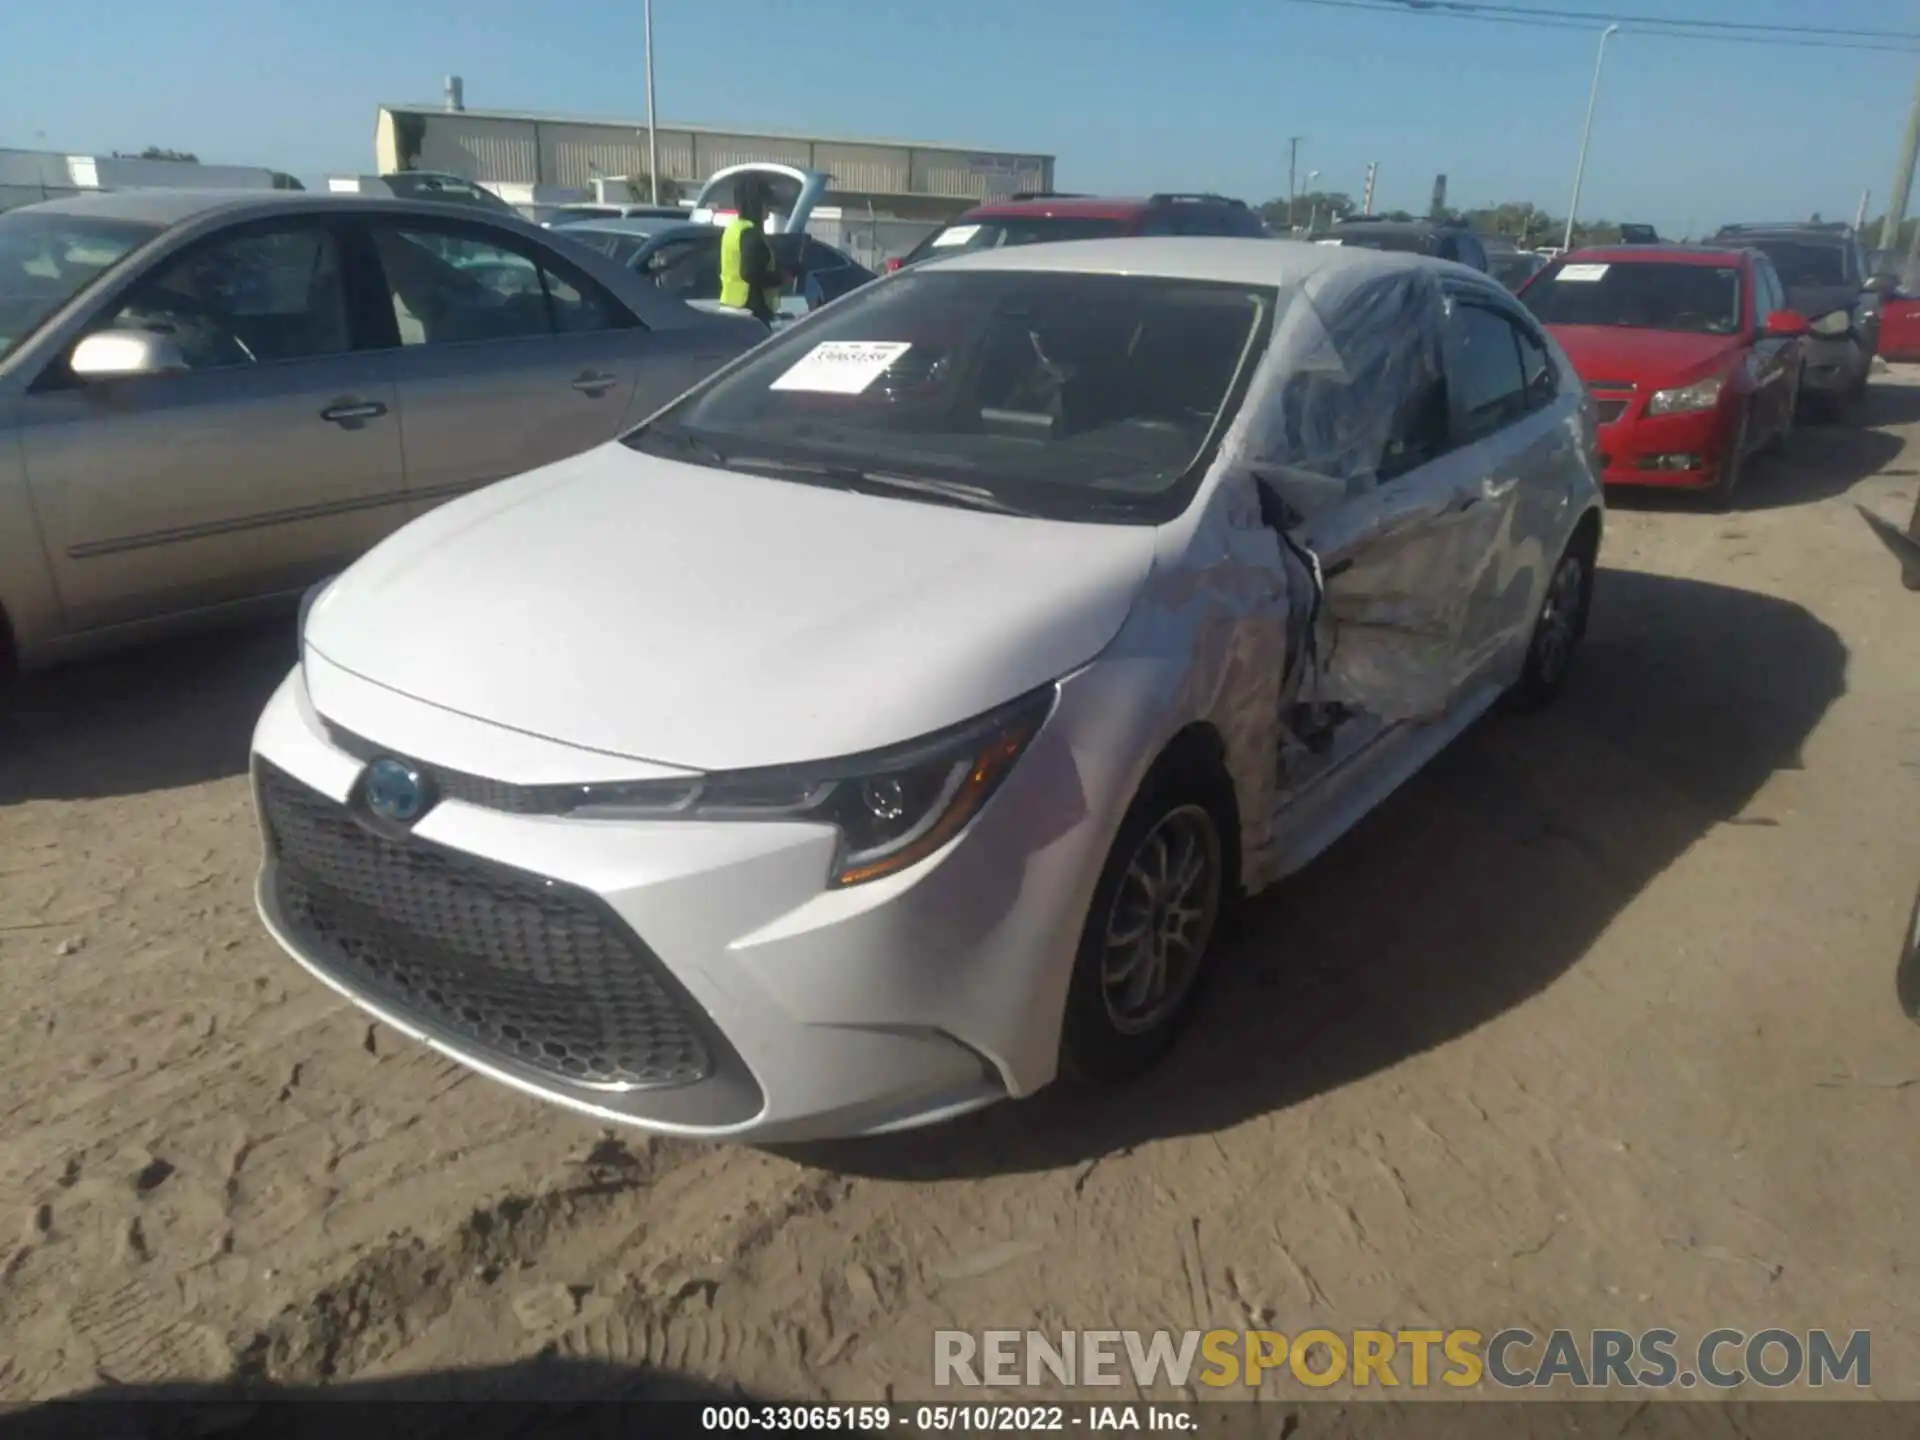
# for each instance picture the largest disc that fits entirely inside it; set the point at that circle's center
(1690, 353)
(1898, 283)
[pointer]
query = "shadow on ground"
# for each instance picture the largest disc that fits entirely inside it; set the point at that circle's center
(1819, 462)
(1478, 885)
(539, 1397)
(177, 713)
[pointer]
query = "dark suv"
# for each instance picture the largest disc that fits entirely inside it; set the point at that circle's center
(1443, 239)
(1032, 217)
(1824, 270)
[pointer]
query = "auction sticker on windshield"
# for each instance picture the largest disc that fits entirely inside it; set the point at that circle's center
(842, 367)
(1581, 272)
(958, 235)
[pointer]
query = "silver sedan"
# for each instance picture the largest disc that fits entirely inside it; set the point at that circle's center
(209, 401)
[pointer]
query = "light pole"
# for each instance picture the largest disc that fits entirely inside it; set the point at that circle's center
(1313, 216)
(653, 141)
(1586, 135)
(1293, 160)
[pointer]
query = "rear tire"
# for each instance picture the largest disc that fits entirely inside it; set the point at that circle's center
(1558, 629)
(1155, 912)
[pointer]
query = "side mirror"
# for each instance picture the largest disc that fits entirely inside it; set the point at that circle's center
(1786, 325)
(122, 354)
(1881, 285)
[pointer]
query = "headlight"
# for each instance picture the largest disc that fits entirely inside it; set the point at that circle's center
(1701, 395)
(1834, 323)
(892, 807)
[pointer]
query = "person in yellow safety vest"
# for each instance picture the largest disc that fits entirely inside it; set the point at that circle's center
(749, 278)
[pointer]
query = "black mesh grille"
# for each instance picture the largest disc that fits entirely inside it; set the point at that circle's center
(526, 967)
(1611, 410)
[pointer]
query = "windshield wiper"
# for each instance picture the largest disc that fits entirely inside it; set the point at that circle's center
(680, 440)
(853, 477)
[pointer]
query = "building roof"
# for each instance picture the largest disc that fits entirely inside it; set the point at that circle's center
(541, 117)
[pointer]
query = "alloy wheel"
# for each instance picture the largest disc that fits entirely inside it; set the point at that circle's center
(1161, 920)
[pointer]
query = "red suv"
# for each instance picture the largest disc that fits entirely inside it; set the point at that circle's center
(1030, 218)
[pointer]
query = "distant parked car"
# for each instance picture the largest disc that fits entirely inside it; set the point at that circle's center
(201, 393)
(1513, 268)
(683, 259)
(1444, 240)
(1897, 282)
(1825, 273)
(574, 214)
(1691, 355)
(1032, 217)
(1639, 235)
(425, 185)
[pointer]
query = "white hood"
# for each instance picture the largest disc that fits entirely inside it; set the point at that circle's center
(712, 620)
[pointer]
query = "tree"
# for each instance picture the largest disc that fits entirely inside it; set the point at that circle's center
(157, 152)
(1328, 203)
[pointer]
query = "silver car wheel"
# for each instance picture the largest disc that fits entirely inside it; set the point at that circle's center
(1161, 920)
(1559, 625)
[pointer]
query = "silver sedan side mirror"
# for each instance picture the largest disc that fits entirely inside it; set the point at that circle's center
(122, 354)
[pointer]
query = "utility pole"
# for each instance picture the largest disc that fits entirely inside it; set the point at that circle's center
(1586, 135)
(653, 138)
(1293, 170)
(1902, 180)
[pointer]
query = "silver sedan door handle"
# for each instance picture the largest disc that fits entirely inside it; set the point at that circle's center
(348, 411)
(590, 383)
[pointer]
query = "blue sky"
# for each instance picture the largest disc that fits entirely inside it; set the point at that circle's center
(1129, 95)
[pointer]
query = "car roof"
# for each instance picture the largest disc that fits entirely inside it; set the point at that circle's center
(1799, 234)
(639, 226)
(1665, 254)
(1249, 260)
(168, 208)
(1084, 207)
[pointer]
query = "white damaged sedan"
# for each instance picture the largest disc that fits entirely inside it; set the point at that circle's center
(880, 730)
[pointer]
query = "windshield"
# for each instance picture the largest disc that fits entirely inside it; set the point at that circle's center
(1800, 264)
(1695, 299)
(47, 259)
(1081, 397)
(1015, 230)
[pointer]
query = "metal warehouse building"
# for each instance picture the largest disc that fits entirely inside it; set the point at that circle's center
(874, 180)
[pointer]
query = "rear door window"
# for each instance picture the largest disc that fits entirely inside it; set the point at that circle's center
(1484, 373)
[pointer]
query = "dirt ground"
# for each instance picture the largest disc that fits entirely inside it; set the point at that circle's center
(1593, 1024)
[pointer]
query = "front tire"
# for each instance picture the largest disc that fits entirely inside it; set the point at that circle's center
(1136, 976)
(1733, 464)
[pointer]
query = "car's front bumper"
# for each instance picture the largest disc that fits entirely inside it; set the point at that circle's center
(1675, 451)
(809, 1012)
